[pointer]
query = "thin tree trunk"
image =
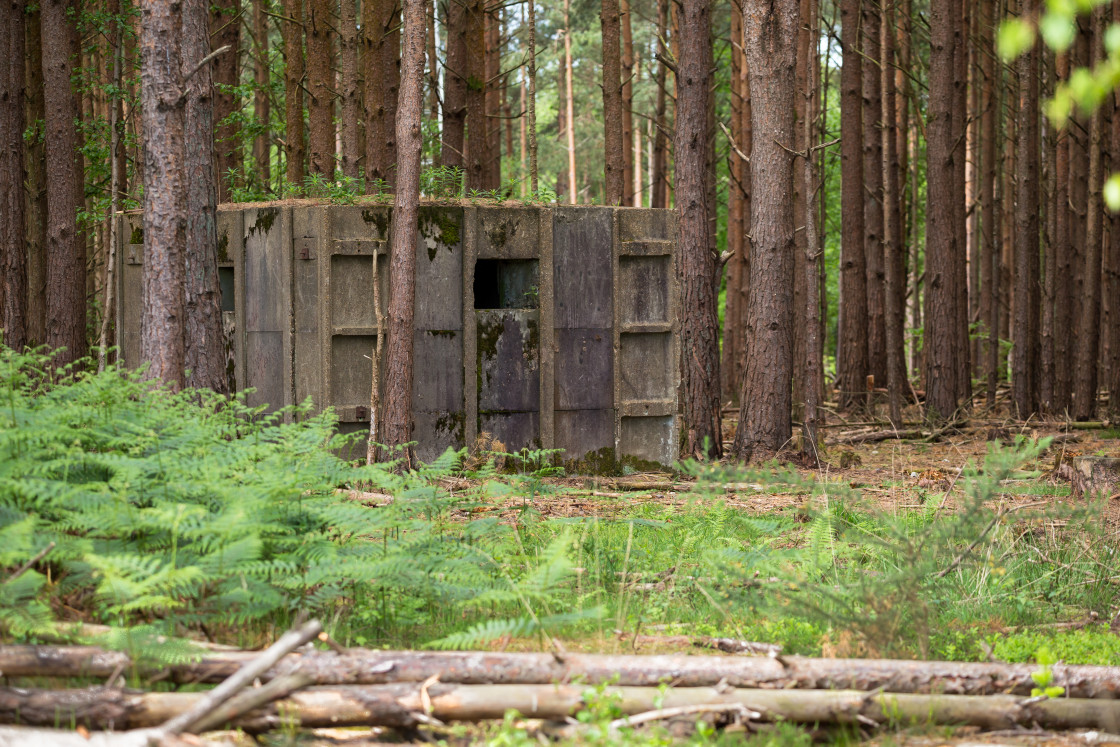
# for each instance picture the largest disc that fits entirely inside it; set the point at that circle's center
(658, 180)
(873, 194)
(1088, 333)
(36, 190)
(1060, 251)
(1025, 362)
(13, 253)
(492, 155)
(262, 106)
(380, 24)
(532, 124)
(764, 416)
(568, 103)
(453, 141)
(814, 256)
(396, 416)
(736, 192)
(477, 151)
(66, 249)
(614, 155)
(963, 370)
(631, 150)
(295, 149)
(699, 341)
(989, 215)
(351, 102)
(852, 344)
(225, 27)
(115, 146)
(203, 335)
(433, 70)
(320, 108)
(894, 253)
(165, 191)
(1113, 381)
(942, 251)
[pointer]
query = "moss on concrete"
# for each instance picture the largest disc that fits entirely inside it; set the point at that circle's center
(223, 247)
(266, 217)
(379, 219)
(137, 236)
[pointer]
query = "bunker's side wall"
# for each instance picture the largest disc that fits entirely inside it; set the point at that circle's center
(551, 327)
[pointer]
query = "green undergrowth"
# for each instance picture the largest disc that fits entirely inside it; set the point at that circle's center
(189, 515)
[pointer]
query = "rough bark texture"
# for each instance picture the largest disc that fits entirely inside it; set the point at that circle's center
(381, 25)
(400, 705)
(960, 117)
(477, 153)
(873, 194)
(1062, 276)
(569, 104)
(361, 667)
(631, 136)
(699, 341)
(894, 257)
(66, 249)
(165, 191)
(814, 256)
(202, 326)
(658, 179)
(294, 148)
(13, 253)
(348, 74)
(452, 141)
(735, 299)
(1024, 353)
(36, 186)
(262, 107)
(1088, 331)
(1096, 477)
(225, 30)
(940, 340)
(614, 156)
(852, 345)
(989, 214)
(492, 155)
(320, 84)
(765, 405)
(1113, 279)
(396, 417)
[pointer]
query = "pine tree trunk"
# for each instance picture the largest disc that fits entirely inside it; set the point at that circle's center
(203, 335)
(730, 373)
(814, 256)
(453, 142)
(165, 190)
(852, 345)
(962, 372)
(320, 82)
(764, 414)
(989, 212)
(351, 102)
(699, 341)
(873, 194)
(569, 106)
(35, 186)
(942, 251)
(1088, 332)
(531, 125)
(433, 68)
(614, 153)
(658, 178)
(477, 152)
(66, 249)
(1062, 276)
(396, 418)
(262, 108)
(380, 24)
(1024, 353)
(1050, 261)
(492, 155)
(1113, 381)
(295, 150)
(13, 253)
(225, 27)
(631, 149)
(894, 252)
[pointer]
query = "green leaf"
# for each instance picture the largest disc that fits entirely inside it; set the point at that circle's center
(1112, 193)
(1058, 31)
(1016, 35)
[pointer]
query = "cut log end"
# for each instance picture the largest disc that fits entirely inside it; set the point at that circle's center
(1096, 476)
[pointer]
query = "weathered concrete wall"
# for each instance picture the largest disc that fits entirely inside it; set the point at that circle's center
(553, 327)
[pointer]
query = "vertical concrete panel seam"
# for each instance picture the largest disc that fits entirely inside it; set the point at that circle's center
(616, 328)
(547, 352)
(237, 234)
(287, 257)
(470, 328)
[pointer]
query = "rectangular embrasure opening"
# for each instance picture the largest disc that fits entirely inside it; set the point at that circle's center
(225, 283)
(506, 284)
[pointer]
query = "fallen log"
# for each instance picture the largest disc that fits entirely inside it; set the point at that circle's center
(361, 667)
(407, 705)
(876, 436)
